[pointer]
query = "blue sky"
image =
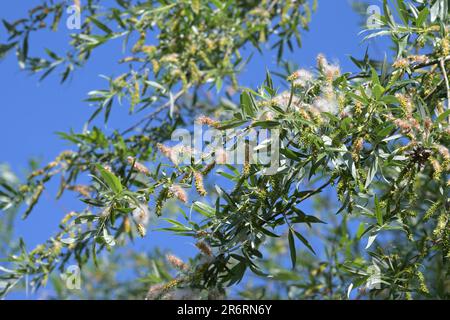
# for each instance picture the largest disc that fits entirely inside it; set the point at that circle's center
(32, 112)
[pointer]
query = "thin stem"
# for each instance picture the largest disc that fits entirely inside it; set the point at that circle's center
(447, 85)
(154, 113)
(414, 67)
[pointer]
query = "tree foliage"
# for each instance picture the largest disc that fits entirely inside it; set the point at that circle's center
(366, 149)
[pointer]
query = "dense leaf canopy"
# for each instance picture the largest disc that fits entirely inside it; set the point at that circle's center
(367, 152)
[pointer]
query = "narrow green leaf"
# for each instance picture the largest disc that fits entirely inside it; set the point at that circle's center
(378, 211)
(247, 104)
(5, 48)
(111, 180)
(304, 241)
(292, 249)
(100, 25)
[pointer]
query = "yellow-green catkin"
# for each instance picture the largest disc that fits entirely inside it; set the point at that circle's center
(431, 211)
(445, 46)
(246, 169)
(36, 173)
(126, 225)
(262, 194)
(67, 217)
(141, 230)
(441, 225)
(149, 50)
(136, 95)
(160, 201)
(37, 194)
(422, 285)
(24, 188)
(172, 284)
(156, 66)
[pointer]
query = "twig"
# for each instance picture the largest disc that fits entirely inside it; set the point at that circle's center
(444, 73)
(431, 62)
(414, 67)
(154, 113)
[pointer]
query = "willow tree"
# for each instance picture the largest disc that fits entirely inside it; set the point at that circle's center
(366, 149)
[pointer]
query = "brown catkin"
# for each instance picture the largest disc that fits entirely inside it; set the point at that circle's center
(199, 185)
(330, 71)
(179, 193)
(436, 168)
(204, 248)
(139, 167)
(208, 168)
(51, 165)
(444, 152)
(357, 147)
(36, 173)
(155, 292)
(401, 63)
(83, 190)
(166, 151)
(221, 156)
(204, 120)
(176, 262)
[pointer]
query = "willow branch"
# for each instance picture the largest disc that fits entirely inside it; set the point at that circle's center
(413, 67)
(447, 85)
